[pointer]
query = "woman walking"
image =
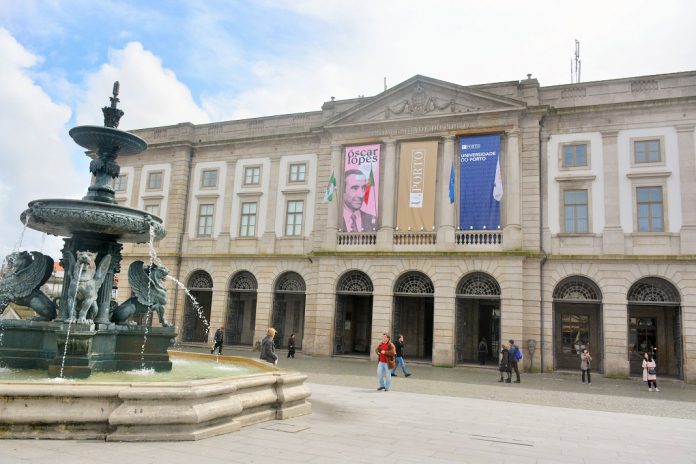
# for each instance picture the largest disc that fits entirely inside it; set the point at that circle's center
(650, 371)
(585, 360)
(504, 364)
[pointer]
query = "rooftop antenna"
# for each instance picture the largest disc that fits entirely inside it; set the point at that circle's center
(385, 82)
(575, 65)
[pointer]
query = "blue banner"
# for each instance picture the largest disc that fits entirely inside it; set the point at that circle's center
(480, 185)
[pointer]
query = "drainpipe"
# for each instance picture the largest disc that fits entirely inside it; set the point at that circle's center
(541, 244)
(180, 245)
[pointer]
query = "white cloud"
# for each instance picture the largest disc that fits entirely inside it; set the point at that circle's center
(151, 95)
(35, 150)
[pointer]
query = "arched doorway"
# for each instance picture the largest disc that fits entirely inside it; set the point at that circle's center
(654, 325)
(577, 310)
(353, 318)
(200, 285)
(477, 317)
(413, 314)
(288, 309)
(241, 309)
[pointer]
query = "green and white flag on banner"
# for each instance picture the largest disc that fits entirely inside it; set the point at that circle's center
(328, 196)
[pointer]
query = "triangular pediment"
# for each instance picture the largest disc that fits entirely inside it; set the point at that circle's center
(421, 97)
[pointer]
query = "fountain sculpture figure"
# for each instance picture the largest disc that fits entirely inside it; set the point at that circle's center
(95, 227)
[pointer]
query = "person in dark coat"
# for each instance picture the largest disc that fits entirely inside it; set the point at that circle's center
(483, 352)
(504, 364)
(219, 337)
(291, 346)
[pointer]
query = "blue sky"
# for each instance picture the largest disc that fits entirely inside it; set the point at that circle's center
(202, 61)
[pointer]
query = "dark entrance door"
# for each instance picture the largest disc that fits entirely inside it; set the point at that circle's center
(655, 330)
(413, 318)
(197, 315)
(353, 324)
(477, 321)
(576, 328)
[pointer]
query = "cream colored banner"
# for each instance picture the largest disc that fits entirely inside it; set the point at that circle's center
(417, 174)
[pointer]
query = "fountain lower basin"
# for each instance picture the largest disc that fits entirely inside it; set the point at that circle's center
(152, 411)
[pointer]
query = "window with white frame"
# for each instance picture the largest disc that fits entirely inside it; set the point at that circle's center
(297, 172)
(120, 183)
(209, 178)
(647, 151)
(252, 175)
(574, 155)
(152, 208)
(247, 227)
(575, 211)
(154, 180)
(293, 221)
(205, 220)
(650, 209)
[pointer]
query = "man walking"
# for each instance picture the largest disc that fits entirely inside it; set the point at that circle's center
(386, 352)
(400, 357)
(515, 357)
(218, 341)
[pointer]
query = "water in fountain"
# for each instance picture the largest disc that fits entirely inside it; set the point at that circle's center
(67, 335)
(15, 249)
(153, 259)
(18, 245)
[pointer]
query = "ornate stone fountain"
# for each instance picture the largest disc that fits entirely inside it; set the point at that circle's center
(88, 331)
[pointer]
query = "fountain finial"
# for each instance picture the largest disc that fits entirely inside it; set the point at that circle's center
(112, 115)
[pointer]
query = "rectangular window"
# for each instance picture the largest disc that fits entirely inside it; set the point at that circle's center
(209, 178)
(120, 183)
(248, 223)
(293, 222)
(205, 220)
(650, 209)
(153, 209)
(154, 180)
(575, 155)
(252, 175)
(647, 151)
(297, 172)
(575, 211)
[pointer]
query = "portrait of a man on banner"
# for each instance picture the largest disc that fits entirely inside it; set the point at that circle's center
(360, 189)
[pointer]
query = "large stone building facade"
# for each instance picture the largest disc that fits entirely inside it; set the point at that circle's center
(594, 247)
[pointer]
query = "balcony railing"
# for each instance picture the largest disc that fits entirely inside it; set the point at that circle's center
(478, 237)
(356, 238)
(415, 238)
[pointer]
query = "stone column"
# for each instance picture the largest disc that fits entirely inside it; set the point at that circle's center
(334, 206)
(267, 243)
(689, 347)
(614, 320)
(687, 170)
(511, 192)
(613, 235)
(385, 235)
(445, 209)
(444, 330)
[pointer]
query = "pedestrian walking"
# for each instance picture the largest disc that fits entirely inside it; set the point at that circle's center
(291, 346)
(268, 348)
(650, 371)
(399, 344)
(515, 356)
(585, 360)
(504, 363)
(483, 352)
(219, 336)
(386, 352)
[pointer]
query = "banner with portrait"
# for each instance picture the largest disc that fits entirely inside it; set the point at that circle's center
(360, 194)
(417, 175)
(480, 184)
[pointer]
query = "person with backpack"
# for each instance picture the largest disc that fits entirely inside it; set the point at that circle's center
(515, 357)
(483, 352)
(291, 346)
(219, 336)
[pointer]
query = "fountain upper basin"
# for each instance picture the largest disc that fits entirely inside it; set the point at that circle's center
(98, 138)
(66, 217)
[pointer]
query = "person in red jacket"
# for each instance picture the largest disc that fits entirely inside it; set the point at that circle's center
(386, 352)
